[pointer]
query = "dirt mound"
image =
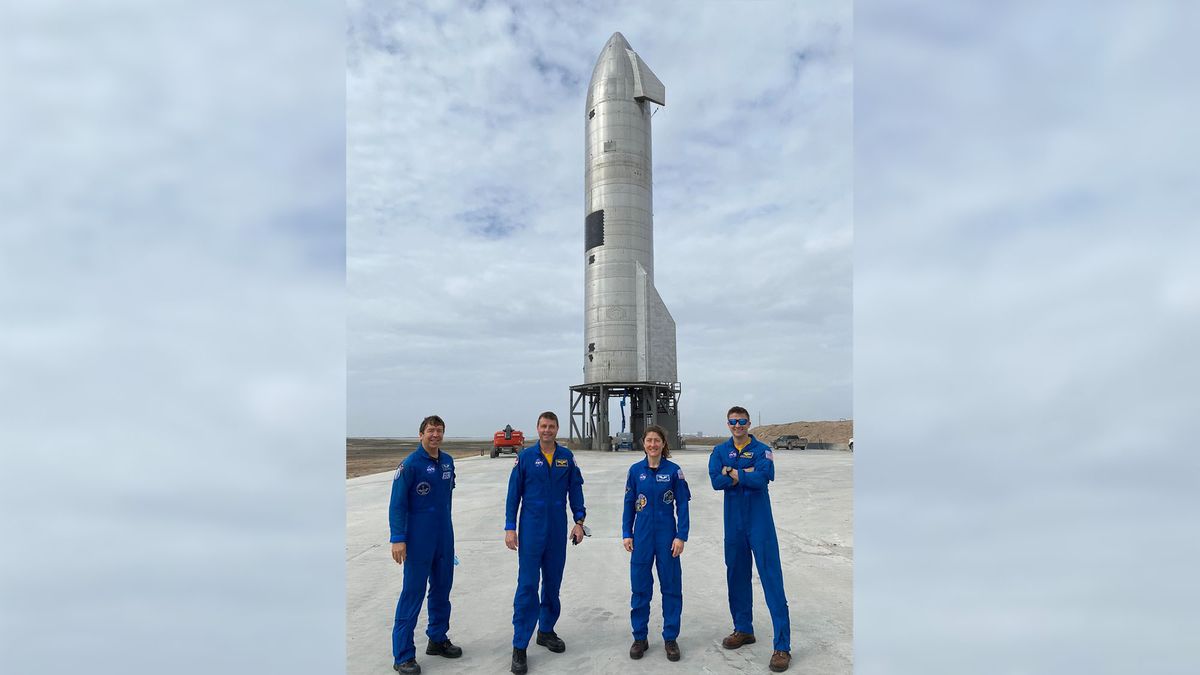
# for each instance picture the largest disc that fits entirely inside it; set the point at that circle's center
(816, 432)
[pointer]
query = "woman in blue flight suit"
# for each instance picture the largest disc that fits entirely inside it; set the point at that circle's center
(655, 493)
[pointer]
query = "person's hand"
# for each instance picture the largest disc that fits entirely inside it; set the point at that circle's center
(628, 544)
(734, 475)
(577, 533)
(749, 469)
(510, 539)
(676, 547)
(399, 552)
(725, 470)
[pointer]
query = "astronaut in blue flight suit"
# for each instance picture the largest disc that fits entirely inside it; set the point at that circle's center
(422, 537)
(543, 478)
(655, 492)
(742, 467)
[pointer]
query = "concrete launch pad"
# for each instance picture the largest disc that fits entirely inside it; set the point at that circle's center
(812, 503)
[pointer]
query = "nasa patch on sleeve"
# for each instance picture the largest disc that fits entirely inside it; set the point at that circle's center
(770, 455)
(399, 471)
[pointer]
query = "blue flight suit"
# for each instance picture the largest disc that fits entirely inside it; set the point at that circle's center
(541, 490)
(653, 497)
(749, 527)
(419, 515)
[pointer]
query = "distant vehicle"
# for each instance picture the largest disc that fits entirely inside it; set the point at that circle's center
(507, 440)
(790, 442)
(851, 444)
(623, 441)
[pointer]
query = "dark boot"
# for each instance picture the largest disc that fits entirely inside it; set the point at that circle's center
(737, 639)
(445, 648)
(780, 661)
(409, 666)
(551, 641)
(519, 665)
(672, 648)
(638, 648)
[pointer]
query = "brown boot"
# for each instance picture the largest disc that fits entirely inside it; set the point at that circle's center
(780, 661)
(638, 648)
(737, 639)
(672, 648)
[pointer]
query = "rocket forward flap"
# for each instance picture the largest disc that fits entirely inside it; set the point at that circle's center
(646, 84)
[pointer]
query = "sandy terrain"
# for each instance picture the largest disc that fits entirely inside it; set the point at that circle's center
(812, 503)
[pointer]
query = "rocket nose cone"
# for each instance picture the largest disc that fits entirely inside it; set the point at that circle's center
(617, 40)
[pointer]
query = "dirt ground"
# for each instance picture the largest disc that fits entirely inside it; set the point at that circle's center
(365, 456)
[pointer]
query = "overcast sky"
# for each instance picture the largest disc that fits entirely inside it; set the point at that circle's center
(465, 207)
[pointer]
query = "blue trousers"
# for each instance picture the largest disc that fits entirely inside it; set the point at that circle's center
(738, 547)
(527, 609)
(670, 578)
(439, 573)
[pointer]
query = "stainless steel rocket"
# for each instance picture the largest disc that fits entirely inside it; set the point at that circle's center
(629, 335)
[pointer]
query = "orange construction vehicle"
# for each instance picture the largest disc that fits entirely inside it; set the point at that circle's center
(507, 440)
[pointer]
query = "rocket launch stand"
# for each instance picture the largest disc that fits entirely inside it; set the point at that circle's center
(652, 403)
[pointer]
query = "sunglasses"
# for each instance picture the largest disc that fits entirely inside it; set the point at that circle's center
(735, 423)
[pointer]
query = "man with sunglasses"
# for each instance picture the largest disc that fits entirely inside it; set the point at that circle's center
(741, 467)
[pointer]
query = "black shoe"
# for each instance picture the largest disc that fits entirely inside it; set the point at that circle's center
(638, 648)
(552, 642)
(409, 666)
(445, 648)
(518, 663)
(672, 648)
